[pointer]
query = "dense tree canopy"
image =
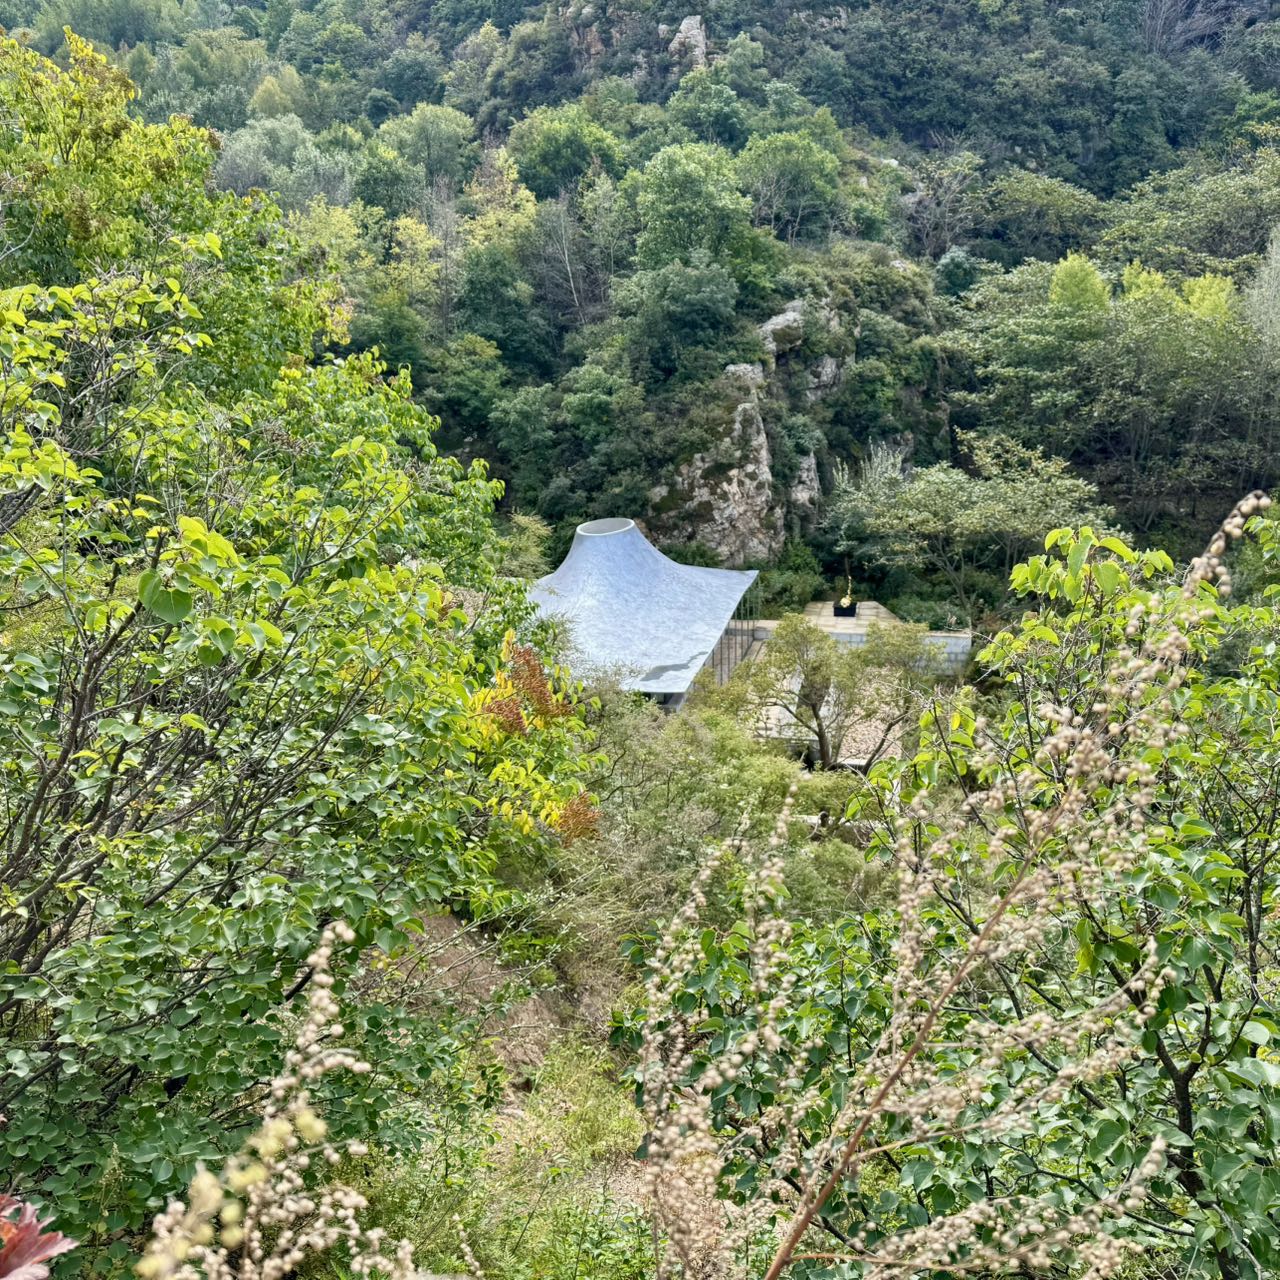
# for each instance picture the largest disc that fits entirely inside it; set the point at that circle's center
(538, 159)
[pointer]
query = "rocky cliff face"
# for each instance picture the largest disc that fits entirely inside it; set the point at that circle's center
(724, 498)
(728, 497)
(690, 41)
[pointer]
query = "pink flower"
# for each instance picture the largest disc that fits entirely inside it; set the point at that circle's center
(24, 1244)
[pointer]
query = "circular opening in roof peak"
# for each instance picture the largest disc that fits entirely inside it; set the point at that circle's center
(598, 528)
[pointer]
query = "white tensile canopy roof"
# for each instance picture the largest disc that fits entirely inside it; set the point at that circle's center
(633, 612)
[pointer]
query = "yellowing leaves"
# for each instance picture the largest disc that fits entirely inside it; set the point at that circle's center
(1212, 297)
(1078, 285)
(505, 207)
(203, 540)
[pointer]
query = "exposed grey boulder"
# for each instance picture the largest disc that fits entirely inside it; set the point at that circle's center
(825, 377)
(726, 497)
(805, 493)
(752, 375)
(690, 41)
(784, 331)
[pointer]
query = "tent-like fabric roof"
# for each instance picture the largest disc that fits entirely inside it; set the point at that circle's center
(634, 612)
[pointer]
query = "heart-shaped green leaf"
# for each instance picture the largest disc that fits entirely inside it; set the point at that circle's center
(167, 601)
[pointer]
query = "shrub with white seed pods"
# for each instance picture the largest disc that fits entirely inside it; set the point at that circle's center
(1070, 817)
(263, 1218)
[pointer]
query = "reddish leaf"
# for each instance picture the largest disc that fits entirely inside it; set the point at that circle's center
(24, 1244)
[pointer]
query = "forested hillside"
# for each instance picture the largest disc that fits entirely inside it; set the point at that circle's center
(347, 931)
(695, 268)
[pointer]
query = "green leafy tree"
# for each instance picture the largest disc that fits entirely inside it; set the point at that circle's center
(1078, 290)
(537, 65)
(463, 381)
(466, 81)
(555, 147)
(277, 153)
(955, 523)
(687, 200)
(277, 16)
(840, 702)
(414, 72)
(672, 312)
(1158, 390)
(794, 184)
(1200, 217)
(710, 110)
(497, 302)
(278, 95)
(940, 210)
(90, 186)
(243, 700)
(112, 22)
(389, 181)
(436, 139)
(1031, 215)
(524, 425)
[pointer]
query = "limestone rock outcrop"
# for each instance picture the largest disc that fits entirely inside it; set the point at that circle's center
(690, 41)
(805, 494)
(729, 497)
(724, 497)
(785, 331)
